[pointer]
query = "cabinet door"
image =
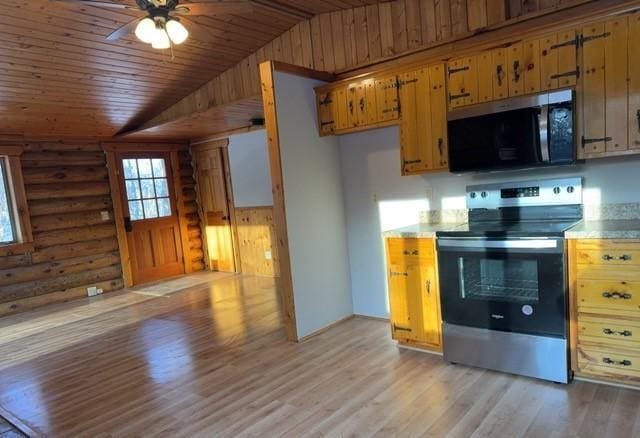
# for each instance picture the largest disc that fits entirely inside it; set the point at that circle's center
(326, 115)
(634, 81)
(341, 108)
(463, 82)
(415, 125)
(352, 114)
(430, 325)
(531, 66)
(515, 70)
(593, 90)
(361, 104)
(371, 108)
(615, 74)
(387, 99)
(438, 95)
(567, 49)
(499, 74)
(485, 77)
(404, 286)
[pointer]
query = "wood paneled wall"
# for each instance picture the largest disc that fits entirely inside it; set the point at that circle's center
(357, 37)
(256, 236)
(73, 227)
(196, 259)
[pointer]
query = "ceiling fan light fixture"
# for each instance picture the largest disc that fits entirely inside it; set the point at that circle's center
(176, 31)
(146, 30)
(161, 40)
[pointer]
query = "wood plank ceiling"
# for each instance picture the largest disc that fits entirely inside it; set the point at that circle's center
(61, 78)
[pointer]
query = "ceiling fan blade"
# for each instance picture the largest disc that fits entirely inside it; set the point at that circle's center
(98, 4)
(123, 30)
(214, 7)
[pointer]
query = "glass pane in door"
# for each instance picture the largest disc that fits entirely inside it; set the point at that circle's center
(507, 280)
(147, 188)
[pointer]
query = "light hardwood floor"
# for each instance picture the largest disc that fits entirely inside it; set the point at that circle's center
(212, 360)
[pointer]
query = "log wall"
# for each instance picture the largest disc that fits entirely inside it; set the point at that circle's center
(188, 183)
(74, 233)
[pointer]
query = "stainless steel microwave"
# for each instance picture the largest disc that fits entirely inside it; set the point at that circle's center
(521, 132)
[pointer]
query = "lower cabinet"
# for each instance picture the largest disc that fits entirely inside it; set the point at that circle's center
(605, 302)
(414, 299)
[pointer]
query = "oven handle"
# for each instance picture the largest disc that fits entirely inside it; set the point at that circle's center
(500, 244)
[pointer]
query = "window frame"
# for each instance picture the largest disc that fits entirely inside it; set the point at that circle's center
(18, 199)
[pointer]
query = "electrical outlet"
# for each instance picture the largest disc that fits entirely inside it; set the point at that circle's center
(92, 291)
(99, 291)
(267, 255)
(104, 215)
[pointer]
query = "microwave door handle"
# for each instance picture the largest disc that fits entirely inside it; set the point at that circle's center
(543, 124)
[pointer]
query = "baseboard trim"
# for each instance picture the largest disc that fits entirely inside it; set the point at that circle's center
(324, 329)
(372, 318)
(606, 382)
(18, 424)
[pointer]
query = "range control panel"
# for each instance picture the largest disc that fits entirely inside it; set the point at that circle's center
(564, 191)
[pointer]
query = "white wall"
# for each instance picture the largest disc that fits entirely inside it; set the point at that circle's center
(249, 165)
(314, 208)
(378, 198)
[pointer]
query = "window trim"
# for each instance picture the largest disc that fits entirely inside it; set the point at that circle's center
(18, 198)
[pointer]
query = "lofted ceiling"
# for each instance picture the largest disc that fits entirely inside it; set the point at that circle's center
(61, 78)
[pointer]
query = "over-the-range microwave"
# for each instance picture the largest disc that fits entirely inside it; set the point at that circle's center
(521, 132)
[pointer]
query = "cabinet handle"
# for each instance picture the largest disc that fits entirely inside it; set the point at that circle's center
(516, 70)
(624, 362)
(362, 104)
(351, 106)
(638, 118)
(428, 285)
(404, 274)
(440, 144)
(617, 295)
(399, 328)
(608, 331)
(608, 257)
(499, 74)
(625, 257)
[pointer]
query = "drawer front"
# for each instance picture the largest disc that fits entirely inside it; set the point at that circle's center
(609, 257)
(410, 250)
(619, 332)
(608, 295)
(609, 362)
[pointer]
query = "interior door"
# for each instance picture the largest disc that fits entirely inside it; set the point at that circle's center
(150, 215)
(215, 206)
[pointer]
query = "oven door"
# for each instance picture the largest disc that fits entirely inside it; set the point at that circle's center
(514, 285)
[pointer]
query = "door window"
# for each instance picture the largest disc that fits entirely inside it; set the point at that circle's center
(147, 188)
(506, 280)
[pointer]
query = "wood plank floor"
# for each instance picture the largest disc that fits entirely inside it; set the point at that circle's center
(212, 360)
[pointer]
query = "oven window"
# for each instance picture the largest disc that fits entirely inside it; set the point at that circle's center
(499, 280)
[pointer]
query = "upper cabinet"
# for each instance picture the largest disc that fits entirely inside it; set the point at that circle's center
(609, 92)
(521, 68)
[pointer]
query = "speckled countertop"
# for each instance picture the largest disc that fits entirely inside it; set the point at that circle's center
(605, 229)
(422, 230)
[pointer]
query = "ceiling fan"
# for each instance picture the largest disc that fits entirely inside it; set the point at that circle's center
(164, 21)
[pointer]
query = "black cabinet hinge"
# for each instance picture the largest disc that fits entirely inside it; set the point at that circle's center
(410, 81)
(457, 70)
(575, 73)
(458, 96)
(412, 162)
(573, 42)
(586, 39)
(586, 141)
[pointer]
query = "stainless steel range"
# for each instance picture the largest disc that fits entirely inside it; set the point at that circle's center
(503, 279)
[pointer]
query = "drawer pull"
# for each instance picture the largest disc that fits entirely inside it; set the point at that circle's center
(402, 329)
(414, 252)
(428, 286)
(608, 331)
(617, 295)
(399, 274)
(624, 363)
(625, 257)
(608, 257)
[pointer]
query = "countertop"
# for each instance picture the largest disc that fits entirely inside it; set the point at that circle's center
(422, 230)
(605, 229)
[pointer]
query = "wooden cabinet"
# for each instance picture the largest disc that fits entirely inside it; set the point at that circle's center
(423, 125)
(604, 282)
(413, 292)
(526, 67)
(609, 99)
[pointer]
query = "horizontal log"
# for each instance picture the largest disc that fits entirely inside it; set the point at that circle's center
(61, 252)
(190, 208)
(196, 255)
(192, 219)
(42, 207)
(186, 172)
(195, 243)
(193, 232)
(189, 195)
(73, 235)
(15, 261)
(58, 283)
(65, 295)
(75, 174)
(66, 190)
(57, 146)
(187, 182)
(197, 266)
(54, 269)
(66, 221)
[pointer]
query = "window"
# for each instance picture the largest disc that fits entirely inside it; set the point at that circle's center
(147, 188)
(15, 226)
(7, 218)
